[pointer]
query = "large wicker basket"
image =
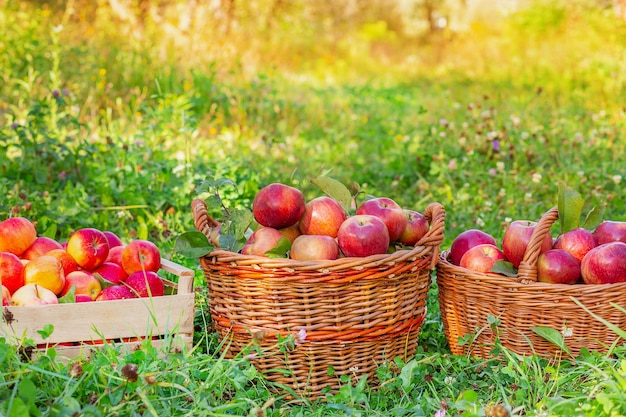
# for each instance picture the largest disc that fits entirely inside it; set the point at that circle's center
(467, 299)
(348, 316)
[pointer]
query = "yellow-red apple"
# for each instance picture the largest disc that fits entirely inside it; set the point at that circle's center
(41, 246)
(89, 247)
(141, 255)
(33, 295)
(11, 271)
(84, 282)
(45, 271)
(278, 206)
(363, 235)
(291, 232)
(314, 247)
(481, 258)
(261, 241)
(322, 216)
(16, 235)
(115, 255)
(68, 263)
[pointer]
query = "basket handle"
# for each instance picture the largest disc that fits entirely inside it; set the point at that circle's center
(201, 218)
(527, 271)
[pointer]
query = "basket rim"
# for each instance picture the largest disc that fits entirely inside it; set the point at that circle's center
(427, 245)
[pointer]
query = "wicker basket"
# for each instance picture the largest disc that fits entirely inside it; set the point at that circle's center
(348, 315)
(467, 298)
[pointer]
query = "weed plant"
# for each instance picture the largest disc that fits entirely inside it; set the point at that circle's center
(101, 125)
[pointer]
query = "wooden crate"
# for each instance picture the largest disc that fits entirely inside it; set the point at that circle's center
(80, 327)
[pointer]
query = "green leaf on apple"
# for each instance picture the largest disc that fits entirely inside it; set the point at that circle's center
(570, 204)
(334, 189)
(69, 297)
(239, 222)
(51, 231)
(593, 218)
(104, 283)
(280, 250)
(505, 268)
(553, 336)
(192, 245)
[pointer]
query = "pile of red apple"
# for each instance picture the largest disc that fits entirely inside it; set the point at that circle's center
(93, 265)
(577, 256)
(322, 229)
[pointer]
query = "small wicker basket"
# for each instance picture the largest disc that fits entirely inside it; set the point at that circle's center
(467, 298)
(348, 315)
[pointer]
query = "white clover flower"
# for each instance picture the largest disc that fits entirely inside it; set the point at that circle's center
(528, 197)
(449, 380)
(121, 214)
(500, 166)
(525, 135)
(515, 120)
(492, 135)
(480, 222)
(536, 178)
(502, 192)
(567, 331)
(617, 179)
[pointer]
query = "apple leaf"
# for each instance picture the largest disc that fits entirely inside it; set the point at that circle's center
(192, 245)
(280, 250)
(553, 336)
(239, 222)
(69, 297)
(51, 231)
(334, 189)
(593, 218)
(570, 205)
(504, 267)
(104, 283)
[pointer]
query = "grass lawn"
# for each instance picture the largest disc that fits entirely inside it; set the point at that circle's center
(103, 126)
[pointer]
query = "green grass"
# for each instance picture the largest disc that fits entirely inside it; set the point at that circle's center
(100, 128)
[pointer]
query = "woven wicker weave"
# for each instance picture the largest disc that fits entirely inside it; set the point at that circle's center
(354, 313)
(467, 298)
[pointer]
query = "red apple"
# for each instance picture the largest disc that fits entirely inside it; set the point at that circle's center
(558, 266)
(113, 239)
(261, 241)
(68, 263)
(363, 235)
(89, 248)
(115, 255)
(481, 258)
(610, 231)
(291, 232)
(115, 292)
(83, 298)
(111, 272)
(40, 246)
(45, 271)
(605, 264)
(278, 206)
(416, 227)
(322, 216)
(466, 240)
(16, 235)
(577, 242)
(389, 212)
(11, 271)
(6, 296)
(314, 247)
(516, 238)
(141, 255)
(84, 282)
(145, 284)
(33, 295)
